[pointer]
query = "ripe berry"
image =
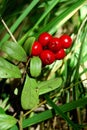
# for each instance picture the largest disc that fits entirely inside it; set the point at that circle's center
(47, 57)
(60, 54)
(44, 38)
(36, 49)
(55, 44)
(66, 41)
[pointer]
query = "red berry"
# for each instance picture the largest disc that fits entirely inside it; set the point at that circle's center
(66, 41)
(36, 49)
(55, 44)
(47, 57)
(60, 54)
(44, 38)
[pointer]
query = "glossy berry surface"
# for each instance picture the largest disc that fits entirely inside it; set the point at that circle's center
(36, 49)
(60, 54)
(47, 57)
(66, 41)
(44, 38)
(55, 44)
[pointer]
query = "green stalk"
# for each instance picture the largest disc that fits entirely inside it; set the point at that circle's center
(49, 8)
(19, 20)
(60, 112)
(80, 39)
(82, 45)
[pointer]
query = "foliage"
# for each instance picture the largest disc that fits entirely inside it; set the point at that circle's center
(24, 81)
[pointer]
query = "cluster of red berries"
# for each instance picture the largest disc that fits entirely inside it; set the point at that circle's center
(50, 48)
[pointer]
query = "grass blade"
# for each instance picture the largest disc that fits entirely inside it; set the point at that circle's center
(63, 17)
(49, 8)
(49, 113)
(60, 112)
(20, 19)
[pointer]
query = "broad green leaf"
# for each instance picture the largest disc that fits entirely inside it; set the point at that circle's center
(49, 85)
(29, 97)
(6, 121)
(2, 110)
(8, 70)
(14, 50)
(14, 128)
(28, 44)
(35, 66)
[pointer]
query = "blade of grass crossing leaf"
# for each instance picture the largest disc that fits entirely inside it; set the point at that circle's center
(49, 113)
(60, 112)
(38, 118)
(20, 19)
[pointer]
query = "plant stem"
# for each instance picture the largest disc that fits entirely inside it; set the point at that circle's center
(81, 47)
(20, 121)
(8, 30)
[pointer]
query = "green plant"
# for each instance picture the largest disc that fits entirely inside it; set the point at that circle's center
(31, 85)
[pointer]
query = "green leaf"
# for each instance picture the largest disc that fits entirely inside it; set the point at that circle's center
(60, 112)
(29, 97)
(28, 44)
(48, 114)
(8, 70)
(2, 110)
(14, 50)
(14, 127)
(35, 66)
(49, 85)
(6, 121)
